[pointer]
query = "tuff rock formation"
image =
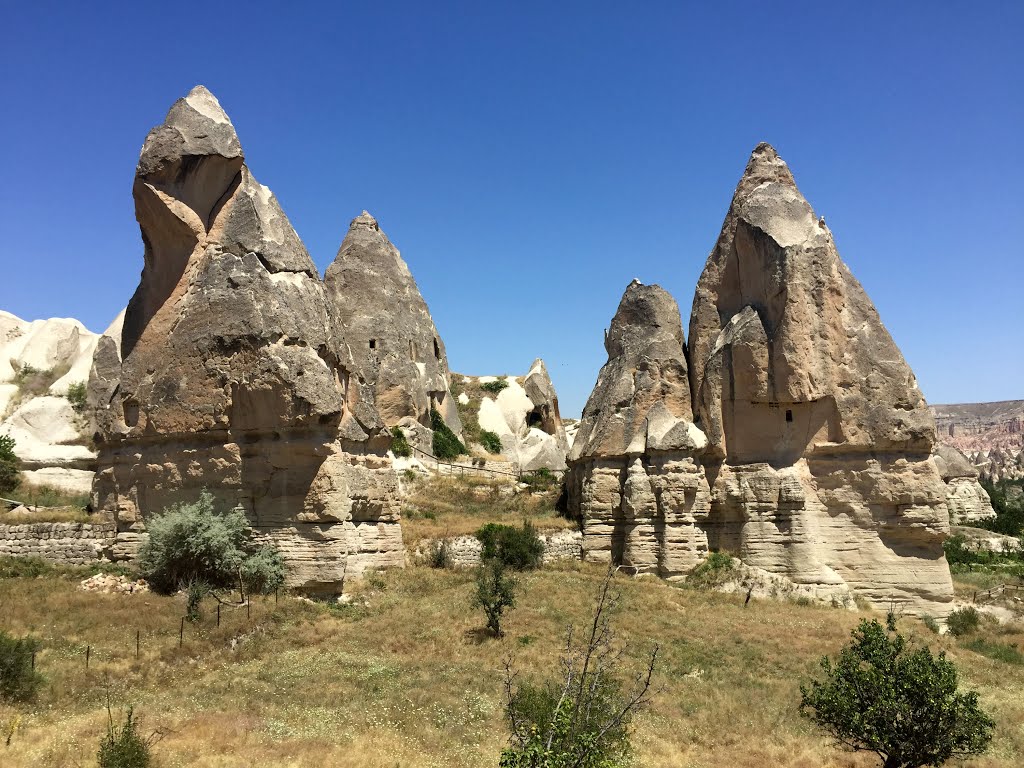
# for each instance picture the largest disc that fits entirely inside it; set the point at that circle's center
(233, 373)
(395, 346)
(806, 450)
(966, 500)
(524, 415)
(990, 435)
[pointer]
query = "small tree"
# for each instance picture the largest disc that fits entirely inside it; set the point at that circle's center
(195, 543)
(900, 703)
(495, 591)
(490, 441)
(10, 479)
(583, 719)
(18, 679)
(400, 443)
(123, 746)
(77, 396)
(517, 548)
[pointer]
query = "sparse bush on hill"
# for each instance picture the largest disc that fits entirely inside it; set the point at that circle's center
(18, 680)
(123, 746)
(881, 696)
(716, 569)
(495, 591)
(76, 396)
(196, 543)
(963, 621)
(1009, 507)
(10, 479)
(399, 443)
(517, 548)
(583, 718)
(496, 386)
(490, 441)
(446, 445)
(541, 479)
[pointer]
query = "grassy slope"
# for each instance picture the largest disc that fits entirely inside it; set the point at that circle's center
(409, 679)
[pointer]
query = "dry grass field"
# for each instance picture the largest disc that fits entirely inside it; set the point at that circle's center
(404, 676)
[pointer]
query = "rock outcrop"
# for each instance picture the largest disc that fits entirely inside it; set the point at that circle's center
(791, 432)
(233, 373)
(966, 501)
(396, 348)
(990, 435)
(523, 414)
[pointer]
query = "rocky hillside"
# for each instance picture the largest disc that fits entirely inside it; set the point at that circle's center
(991, 435)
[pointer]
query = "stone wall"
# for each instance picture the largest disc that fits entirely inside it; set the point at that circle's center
(62, 543)
(464, 551)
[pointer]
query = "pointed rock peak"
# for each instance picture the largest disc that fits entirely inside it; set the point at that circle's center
(645, 313)
(365, 220)
(195, 126)
(206, 104)
(764, 166)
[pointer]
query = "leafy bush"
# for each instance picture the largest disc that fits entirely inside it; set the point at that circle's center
(495, 591)
(123, 747)
(1009, 507)
(931, 623)
(490, 441)
(196, 543)
(541, 479)
(716, 569)
(494, 387)
(446, 445)
(517, 548)
(963, 621)
(24, 567)
(10, 479)
(195, 591)
(583, 718)
(399, 443)
(76, 396)
(881, 696)
(18, 680)
(440, 555)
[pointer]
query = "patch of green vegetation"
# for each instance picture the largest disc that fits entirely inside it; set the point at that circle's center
(1008, 502)
(716, 569)
(399, 443)
(446, 445)
(1009, 654)
(19, 680)
(496, 386)
(76, 395)
(542, 479)
(490, 441)
(10, 478)
(963, 621)
(518, 548)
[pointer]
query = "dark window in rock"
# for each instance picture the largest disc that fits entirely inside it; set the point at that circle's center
(789, 415)
(131, 411)
(373, 343)
(535, 419)
(437, 350)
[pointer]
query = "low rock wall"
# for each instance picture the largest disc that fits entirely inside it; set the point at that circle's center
(464, 551)
(62, 543)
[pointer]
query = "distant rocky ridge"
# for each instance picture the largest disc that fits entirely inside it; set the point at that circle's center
(787, 430)
(990, 435)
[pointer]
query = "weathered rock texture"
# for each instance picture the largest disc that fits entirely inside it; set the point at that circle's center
(233, 373)
(966, 500)
(812, 457)
(395, 346)
(524, 415)
(990, 435)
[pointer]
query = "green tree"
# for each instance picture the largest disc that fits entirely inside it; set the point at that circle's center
(77, 396)
(400, 443)
(10, 479)
(194, 543)
(495, 591)
(517, 548)
(19, 681)
(901, 703)
(490, 441)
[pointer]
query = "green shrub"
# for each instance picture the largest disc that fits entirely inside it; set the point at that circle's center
(541, 479)
(440, 555)
(963, 621)
(196, 543)
(583, 718)
(24, 567)
(195, 591)
(1009, 654)
(399, 443)
(900, 703)
(494, 387)
(18, 680)
(716, 569)
(490, 441)
(123, 747)
(517, 548)
(76, 396)
(446, 445)
(931, 623)
(10, 478)
(495, 591)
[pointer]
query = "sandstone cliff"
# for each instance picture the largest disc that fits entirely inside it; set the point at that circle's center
(396, 348)
(232, 372)
(812, 456)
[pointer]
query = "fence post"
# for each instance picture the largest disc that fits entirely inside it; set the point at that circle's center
(138, 635)
(88, 651)
(181, 632)
(218, 614)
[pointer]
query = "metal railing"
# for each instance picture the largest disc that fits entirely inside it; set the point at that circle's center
(452, 468)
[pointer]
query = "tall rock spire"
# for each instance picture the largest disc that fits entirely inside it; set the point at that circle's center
(395, 345)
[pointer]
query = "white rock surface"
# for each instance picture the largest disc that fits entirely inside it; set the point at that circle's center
(41, 428)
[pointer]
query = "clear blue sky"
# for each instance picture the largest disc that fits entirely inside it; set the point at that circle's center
(530, 159)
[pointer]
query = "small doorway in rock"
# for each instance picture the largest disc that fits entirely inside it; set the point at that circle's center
(373, 343)
(437, 350)
(789, 415)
